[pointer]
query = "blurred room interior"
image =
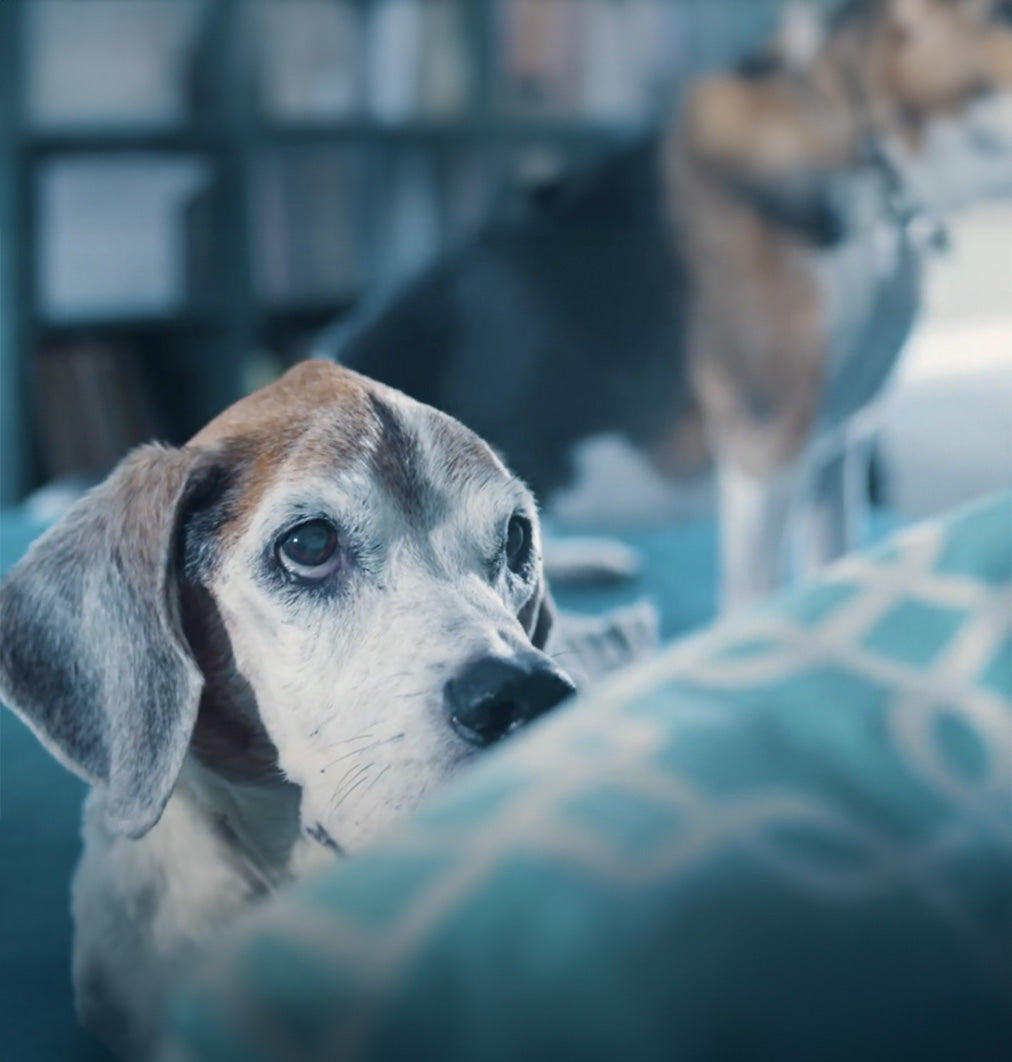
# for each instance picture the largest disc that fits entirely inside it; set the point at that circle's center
(192, 190)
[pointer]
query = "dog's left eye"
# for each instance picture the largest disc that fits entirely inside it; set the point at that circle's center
(310, 550)
(519, 543)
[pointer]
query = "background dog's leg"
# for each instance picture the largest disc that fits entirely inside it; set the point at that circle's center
(754, 513)
(835, 511)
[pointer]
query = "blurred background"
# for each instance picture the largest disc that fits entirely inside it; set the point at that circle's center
(191, 189)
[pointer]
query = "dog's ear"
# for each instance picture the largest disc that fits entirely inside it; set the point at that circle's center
(538, 616)
(92, 654)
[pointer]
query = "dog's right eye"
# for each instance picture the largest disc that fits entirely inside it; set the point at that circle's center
(310, 550)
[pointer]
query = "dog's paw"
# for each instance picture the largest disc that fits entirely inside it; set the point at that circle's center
(591, 647)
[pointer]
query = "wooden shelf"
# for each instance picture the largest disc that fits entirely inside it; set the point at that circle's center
(113, 140)
(110, 324)
(102, 140)
(283, 134)
(124, 323)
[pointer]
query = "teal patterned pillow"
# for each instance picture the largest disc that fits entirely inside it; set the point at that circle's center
(789, 838)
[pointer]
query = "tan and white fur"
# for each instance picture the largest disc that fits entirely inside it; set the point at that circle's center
(791, 344)
(245, 717)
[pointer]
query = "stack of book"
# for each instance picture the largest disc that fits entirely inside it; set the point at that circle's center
(109, 64)
(110, 239)
(309, 58)
(308, 214)
(602, 59)
(417, 59)
(409, 228)
(391, 60)
(332, 220)
(94, 406)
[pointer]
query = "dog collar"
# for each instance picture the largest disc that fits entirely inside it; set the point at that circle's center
(923, 227)
(925, 230)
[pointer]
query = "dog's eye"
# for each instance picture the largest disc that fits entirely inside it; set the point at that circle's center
(519, 543)
(310, 550)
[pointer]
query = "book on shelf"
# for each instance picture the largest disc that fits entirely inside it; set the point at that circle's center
(93, 407)
(109, 233)
(610, 80)
(91, 64)
(603, 59)
(307, 209)
(412, 229)
(395, 33)
(446, 71)
(660, 33)
(310, 58)
(417, 59)
(540, 45)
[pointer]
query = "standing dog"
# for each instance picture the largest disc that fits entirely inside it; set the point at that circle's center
(728, 294)
(260, 649)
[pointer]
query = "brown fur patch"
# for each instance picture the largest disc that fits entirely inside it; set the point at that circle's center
(931, 57)
(318, 414)
(757, 346)
(901, 62)
(322, 416)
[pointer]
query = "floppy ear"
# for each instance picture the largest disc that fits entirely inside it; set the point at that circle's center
(92, 654)
(538, 616)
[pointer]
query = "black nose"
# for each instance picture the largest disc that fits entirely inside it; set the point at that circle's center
(493, 696)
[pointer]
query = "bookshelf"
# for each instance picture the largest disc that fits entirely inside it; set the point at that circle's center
(514, 84)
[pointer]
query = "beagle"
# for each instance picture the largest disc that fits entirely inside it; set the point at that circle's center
(261, 649)
(716, 308)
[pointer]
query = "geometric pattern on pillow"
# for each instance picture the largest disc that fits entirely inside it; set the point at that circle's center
(788, 837)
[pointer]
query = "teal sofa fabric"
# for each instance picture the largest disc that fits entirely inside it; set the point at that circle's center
(789, 838)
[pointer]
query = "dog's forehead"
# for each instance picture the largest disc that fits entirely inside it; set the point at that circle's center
(321, 418)
(306, 394)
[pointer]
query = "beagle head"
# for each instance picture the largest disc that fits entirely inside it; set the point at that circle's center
(331, 585)
(931, 78)
(942, 70)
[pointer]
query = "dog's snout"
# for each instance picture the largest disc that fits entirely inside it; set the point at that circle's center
(493, 696)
